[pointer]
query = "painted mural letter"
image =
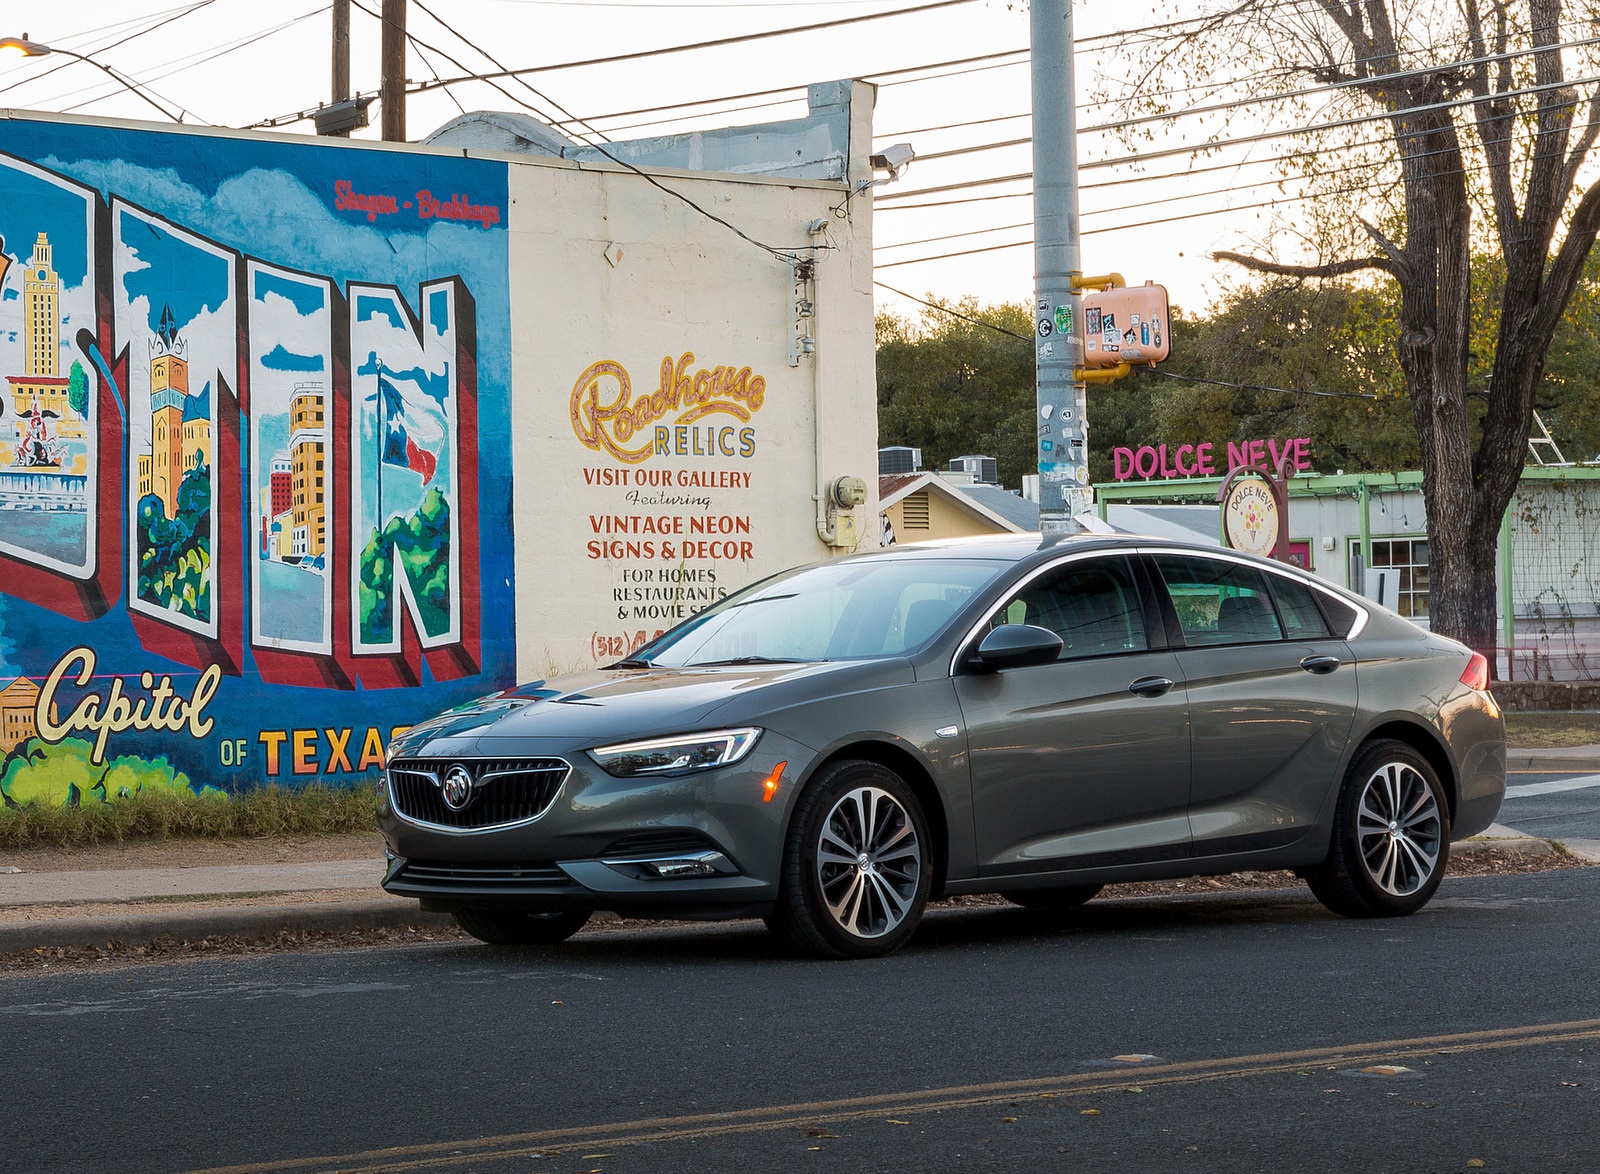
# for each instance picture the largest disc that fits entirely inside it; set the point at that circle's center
(176, 310)
(291, 478)
(48, 425)
(406, 482)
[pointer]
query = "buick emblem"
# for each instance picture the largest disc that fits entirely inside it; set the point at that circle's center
(457, 788)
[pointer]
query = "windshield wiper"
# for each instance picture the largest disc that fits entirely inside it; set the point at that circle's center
(760, 599)
(634, 662)
(746, 660)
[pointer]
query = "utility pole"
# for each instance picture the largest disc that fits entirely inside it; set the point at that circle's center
(341, 56)
(1058, 308)
(392, 88)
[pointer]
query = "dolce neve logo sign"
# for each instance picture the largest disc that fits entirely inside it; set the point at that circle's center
(1159, 462)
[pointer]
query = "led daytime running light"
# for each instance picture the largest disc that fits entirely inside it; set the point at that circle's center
(680, 754)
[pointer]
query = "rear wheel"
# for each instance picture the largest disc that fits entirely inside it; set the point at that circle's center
(856, 869)
(500, 927)
(1064, 897)
(1391, 836)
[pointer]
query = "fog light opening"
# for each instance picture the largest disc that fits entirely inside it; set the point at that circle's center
(700, 864)
(769, 786)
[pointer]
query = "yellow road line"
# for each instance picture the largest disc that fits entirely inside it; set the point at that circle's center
(438, 1155)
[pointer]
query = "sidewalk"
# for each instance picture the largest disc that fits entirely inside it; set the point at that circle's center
(81, 908)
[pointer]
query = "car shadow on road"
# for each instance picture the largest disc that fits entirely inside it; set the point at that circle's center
(945, 926)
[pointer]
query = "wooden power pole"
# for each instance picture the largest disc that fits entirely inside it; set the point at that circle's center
(392, 89)
(341, 55)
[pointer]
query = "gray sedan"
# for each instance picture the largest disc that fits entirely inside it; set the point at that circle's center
(833, 747)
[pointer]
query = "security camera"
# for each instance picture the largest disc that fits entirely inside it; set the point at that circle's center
(894, 159)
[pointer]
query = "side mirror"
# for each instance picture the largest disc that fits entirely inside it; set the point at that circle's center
(1012, 646)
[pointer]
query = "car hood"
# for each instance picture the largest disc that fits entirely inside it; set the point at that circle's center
(615, 704)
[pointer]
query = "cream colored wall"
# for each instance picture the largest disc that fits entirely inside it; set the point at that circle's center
(606, 267)
(945, 520)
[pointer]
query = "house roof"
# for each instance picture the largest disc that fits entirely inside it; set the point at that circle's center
(895, 487)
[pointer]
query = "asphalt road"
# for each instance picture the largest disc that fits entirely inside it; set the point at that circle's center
(1553, 806)
(990, 1043)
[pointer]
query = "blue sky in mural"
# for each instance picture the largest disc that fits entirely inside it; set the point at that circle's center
(189, 279)
(280, 358)
(29, 206)
(305, 297)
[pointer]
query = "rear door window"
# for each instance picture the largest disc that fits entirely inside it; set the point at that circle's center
(1219, 602)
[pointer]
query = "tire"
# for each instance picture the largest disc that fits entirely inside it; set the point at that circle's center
(1391, 836)
(856, 865)
(1064, 897)
(500, 927)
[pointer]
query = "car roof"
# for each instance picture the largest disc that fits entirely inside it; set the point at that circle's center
(1024, 547)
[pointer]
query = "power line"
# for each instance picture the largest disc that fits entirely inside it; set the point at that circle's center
(741, 39)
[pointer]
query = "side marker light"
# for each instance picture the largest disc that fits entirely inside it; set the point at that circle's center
(769, 788)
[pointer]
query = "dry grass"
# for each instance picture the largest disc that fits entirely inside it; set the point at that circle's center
(268, 811)
(1549, 730)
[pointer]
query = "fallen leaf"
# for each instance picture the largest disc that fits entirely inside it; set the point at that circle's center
(1476, 1163)
(1047, 1095)
(1090, 1113)
(1133, 1088)
(1009, 1120)
(892, 1121)
(814, 1148)
(815, 1131)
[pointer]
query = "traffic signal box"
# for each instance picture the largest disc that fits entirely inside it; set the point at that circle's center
(1129, 324)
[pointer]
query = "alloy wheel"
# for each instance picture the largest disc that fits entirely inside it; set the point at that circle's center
(1399, 829)
(869, 862)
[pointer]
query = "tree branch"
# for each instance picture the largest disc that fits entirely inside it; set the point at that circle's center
(1334, 269)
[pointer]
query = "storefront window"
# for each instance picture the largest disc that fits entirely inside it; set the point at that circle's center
(1409, 556)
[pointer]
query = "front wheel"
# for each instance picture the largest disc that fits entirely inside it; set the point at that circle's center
(1391, 836)
(500, 927)
(856, 869)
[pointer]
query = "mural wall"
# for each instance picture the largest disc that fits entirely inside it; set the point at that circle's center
(247, 387)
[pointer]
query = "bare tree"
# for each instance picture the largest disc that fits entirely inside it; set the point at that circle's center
(1489, 114)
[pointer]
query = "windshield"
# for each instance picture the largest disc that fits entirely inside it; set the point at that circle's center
(835, 611)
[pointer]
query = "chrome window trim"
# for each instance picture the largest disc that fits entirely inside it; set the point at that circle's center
(1075, 557)
(1305, 578)
(433, 776)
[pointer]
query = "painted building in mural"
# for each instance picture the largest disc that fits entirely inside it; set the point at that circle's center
(306, 440)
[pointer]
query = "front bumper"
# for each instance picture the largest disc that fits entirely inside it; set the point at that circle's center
(703, 844)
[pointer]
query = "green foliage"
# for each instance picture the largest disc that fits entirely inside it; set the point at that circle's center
(952, 387)
(55, 795)
(62, 775)
(944, 387)
(422, 544)
(78, 389)
(175, 553)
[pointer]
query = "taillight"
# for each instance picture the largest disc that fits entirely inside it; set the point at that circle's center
(1476, 675)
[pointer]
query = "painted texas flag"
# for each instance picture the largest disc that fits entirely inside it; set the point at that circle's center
(398, 447)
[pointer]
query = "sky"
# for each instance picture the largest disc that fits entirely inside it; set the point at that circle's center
(239, 63)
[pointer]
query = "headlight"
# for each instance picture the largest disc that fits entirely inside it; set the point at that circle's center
(676, 755)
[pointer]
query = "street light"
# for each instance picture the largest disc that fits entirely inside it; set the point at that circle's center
(33, 49)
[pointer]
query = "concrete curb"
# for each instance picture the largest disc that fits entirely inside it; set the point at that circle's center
(1555, 760)
(258, 921)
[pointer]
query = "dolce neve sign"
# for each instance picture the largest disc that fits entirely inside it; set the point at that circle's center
(1159, 461)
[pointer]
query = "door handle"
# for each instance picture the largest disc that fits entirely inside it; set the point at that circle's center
(1320, 664)
(1150, 686)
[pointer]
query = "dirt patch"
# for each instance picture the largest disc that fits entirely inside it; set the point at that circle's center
(194, 853)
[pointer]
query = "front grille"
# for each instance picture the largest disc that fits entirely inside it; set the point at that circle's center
(481, 877)
(504, 791)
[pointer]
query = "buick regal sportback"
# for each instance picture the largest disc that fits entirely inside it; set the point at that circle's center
(837, 745)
